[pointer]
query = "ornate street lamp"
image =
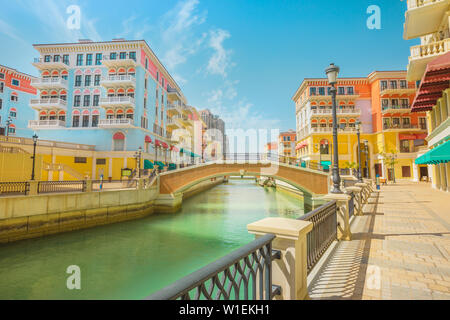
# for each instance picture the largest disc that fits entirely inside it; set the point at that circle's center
(358, 133)
(332, 73)
(138, 156)
(35, 139)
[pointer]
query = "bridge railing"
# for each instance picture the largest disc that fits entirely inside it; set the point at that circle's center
(323, 234)
(241, 275)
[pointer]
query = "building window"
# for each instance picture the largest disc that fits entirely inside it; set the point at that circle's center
(2, 86)
(79, 59)
(47, 58)
(13, 114)
(2, 76)
(406, 122)
(101, 162)
(97, 80)
(96, 100)
(62, 118)
(145, 84)
(406, 171)
(133, 55)
(77, 81)
(383, 85)
(423, 123)
(341, 91)
(85, 121)
(112, 56)
(75, 121)
(66, 59)
(1, 104)
(98, 59)
(86, 101)
(123, 55)
(130, 116)
(145, 103)
(394, 102)
(56, 58)
(393, 84)
(157, 76)
(12, 130)
(404, 146)
(89, 59)
(76, 101)
(312, 91)
(350, 91)
(15, 82)
(405, 103)
(95, 121)
(321, 91)
(14, 98)
(87, 81)
(403, 84)
(80, 160)
(385, 103)
(146, 63)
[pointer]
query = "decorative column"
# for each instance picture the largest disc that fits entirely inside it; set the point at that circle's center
(291, 271)
(343, 216)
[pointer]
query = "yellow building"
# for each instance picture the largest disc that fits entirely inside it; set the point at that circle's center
(429, 65)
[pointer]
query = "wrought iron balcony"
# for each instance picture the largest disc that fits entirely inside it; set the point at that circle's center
(52, 103)
(46, 124)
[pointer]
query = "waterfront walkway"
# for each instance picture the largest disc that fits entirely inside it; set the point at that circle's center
(400, 249)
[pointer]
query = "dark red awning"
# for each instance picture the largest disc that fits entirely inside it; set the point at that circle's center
(435, 80)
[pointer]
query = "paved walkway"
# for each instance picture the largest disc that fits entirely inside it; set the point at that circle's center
(400, 249)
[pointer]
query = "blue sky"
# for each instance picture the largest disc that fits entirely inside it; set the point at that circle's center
(242, 59)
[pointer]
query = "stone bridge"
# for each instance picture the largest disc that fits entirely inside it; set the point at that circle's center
(313, 184)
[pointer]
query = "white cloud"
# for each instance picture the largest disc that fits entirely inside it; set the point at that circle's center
(220, 61)
(11, 32)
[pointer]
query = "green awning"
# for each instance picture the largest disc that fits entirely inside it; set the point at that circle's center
(440, 154)
(148, 164)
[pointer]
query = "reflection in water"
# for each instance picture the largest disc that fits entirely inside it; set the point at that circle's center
(132, 259)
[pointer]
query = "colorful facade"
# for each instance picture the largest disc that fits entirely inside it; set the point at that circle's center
(286, 145)
(380, 103)
(115, 95)
(15, 95)
(429, 66)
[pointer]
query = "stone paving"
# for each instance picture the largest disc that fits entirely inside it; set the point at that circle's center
(400, 249)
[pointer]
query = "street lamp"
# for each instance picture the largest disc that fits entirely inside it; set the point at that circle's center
(366, 150)
(138, 156)
(318, 147)
(358, 133)
(393, 165)
(8, 123)
(332, 73)
(35, 139)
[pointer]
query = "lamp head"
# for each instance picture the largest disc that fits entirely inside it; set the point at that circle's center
(35, 138)
(332, 73)
(358, 125)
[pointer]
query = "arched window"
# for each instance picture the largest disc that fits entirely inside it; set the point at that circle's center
(119, 141)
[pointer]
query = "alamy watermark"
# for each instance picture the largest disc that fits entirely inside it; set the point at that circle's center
(374, 20)
(74, 20)
(74, 280)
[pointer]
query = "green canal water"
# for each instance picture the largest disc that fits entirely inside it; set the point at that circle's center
(131, 260)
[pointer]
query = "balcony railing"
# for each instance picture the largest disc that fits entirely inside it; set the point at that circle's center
(115, 123)
(48, 103)
(117, 101)
(46, 124)
(338, 111)
(330, 129)
(119, 79)
(402, 126)
(412, 4)
(49, 83)
(42, 63)
(388, 109)
(430, 50)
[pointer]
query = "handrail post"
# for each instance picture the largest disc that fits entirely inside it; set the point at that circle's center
(289, 272)
(33, 187)
(358, 196)
(343, 214)
(88, 185)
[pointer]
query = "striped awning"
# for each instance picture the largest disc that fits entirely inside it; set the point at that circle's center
(440, 154)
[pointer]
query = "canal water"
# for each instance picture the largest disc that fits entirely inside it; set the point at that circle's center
(133, 259)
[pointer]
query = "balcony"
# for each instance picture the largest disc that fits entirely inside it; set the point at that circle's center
(395, 109)
(49, 83)
(422, 54)
(423, 17)
(41, 64)
(53, 103)
(115, 63)
(46, 124)
(183, 120)
(173, 110)
(112, 102)
(115, 123)
(330, 130)
(339, 112)
(172, 124)
(174, 95)
(401, 127)
(118, 81)
(397, 90)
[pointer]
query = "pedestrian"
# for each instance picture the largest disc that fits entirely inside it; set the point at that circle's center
(377, 181)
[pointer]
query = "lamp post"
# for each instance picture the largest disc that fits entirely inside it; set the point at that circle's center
(358, 133)
(138, 156)
(318, 147)
(332, 73)
(8, 123)
(35, 138)
(393, 165)
(366, 151)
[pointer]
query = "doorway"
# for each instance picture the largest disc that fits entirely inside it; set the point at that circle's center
(423, 173)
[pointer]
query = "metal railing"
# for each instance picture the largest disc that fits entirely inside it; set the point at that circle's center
(351, 204)
(61, 186)
(14, 188)
(245, 274)
(323, 234)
